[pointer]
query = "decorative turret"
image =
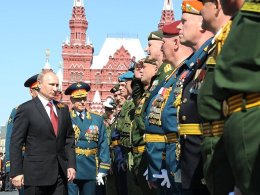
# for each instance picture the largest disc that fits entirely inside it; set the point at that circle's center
(96, 105)
(78, 24)
(167, 14)
(47, 65)
(77, 55)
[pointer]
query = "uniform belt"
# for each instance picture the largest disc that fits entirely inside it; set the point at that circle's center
(86, 152)
(139, 149)
(214, 128)
(190, 129)
(168, 138)
(240, 102)
(115, 143)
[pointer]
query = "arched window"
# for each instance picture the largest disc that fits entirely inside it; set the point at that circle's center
(110, 76)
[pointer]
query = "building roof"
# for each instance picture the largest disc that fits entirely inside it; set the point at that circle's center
(111, 45)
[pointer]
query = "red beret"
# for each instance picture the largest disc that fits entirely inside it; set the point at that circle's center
(171, 29)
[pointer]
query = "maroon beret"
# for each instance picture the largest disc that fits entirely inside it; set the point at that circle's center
(171, 29)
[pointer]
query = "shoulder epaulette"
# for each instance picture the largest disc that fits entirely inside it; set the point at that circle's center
(96, 113)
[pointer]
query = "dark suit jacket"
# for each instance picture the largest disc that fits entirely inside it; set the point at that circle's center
(44, 151)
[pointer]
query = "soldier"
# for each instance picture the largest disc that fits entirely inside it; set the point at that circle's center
(152, 116)
(138, 128)
(191, 34)
(214, 157)
(124, 127)
(109, 118)
(154, 46)
(236, 84)
(32, 84)
(176, 54)
(92, 151)
(117, 177)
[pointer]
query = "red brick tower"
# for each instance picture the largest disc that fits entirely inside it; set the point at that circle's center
(167, 14)
(77, 54)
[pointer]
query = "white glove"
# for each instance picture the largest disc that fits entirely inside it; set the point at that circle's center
(146, 174)
(99, 178)
(165, 178)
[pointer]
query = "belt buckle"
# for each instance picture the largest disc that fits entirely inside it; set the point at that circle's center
(225, 109)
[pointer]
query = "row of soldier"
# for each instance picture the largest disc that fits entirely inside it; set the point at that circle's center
(183, 125)
(183, 120)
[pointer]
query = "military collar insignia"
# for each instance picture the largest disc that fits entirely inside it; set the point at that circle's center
(167, 68)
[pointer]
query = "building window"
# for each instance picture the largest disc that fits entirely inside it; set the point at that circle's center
(97, 77)
(110, 76)
(72, 76)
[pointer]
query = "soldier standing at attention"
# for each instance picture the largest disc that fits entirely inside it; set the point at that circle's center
(237, 85)
(192, 35)
(124, 127)
(155, 56)
(117, 172)
(109, 119)
(32, 84)
(138, 127)
(92, 150)
(174, 53)
(216, 168)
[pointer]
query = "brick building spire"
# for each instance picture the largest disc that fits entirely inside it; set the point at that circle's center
(77, 52)
(167, 14)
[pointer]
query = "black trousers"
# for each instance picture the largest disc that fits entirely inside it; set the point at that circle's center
(59, 188)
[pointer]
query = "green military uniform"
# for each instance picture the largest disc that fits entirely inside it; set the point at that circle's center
(214, 158)
(139, 154)
(237, 84)
(124, 126)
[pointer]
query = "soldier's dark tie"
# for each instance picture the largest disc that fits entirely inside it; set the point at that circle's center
(81, 116)
(54, 118)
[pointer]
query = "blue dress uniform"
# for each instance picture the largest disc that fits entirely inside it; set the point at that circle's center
(91, 145)
(154, 134)
(189, 123)
(30, 83)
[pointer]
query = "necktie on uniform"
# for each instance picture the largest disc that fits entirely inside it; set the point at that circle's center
(81, 116)
(54, 118)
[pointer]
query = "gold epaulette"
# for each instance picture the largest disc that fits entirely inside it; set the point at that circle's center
(251, 7)
(86, 152)
(96, 113)
(190, 129)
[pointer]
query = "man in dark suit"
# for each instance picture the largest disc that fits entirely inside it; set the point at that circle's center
(32, 84)
(44, 126)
